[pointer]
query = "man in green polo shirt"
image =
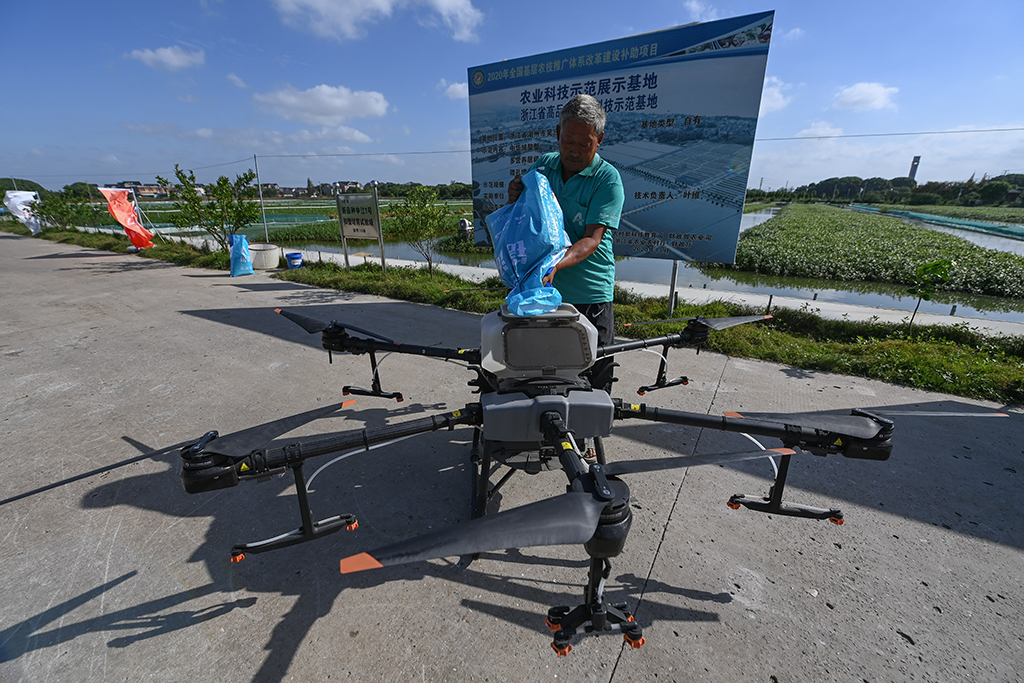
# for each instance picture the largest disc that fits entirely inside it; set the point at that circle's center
(589, 191)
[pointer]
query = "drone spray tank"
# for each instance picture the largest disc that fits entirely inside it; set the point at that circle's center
(537, 361)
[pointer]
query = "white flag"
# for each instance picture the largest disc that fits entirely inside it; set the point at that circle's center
(20, 206)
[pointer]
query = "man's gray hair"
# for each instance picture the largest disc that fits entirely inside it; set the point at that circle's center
(584, 108)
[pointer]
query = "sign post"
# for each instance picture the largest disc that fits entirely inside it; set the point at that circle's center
(682, 107)
(359, 218)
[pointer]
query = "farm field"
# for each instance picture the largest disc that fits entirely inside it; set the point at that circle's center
(992, 214)
(818, 241)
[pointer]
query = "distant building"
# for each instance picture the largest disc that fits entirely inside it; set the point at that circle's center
(143, 191)
(150, 191)
(913, 168)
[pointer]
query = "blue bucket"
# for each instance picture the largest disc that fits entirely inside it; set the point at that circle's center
(294, 260)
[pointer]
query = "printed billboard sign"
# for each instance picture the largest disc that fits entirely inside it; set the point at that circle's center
(358, 216)
(682, 108)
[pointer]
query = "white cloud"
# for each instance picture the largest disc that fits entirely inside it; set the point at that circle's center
(323, 105)
(865, 97)
(169, 58)
(344, 19)
(819, 129)
(237, 81)
(455, 91)
(189, 99)
(773, 98)
(793, 34)
(337, 133)
(701, 11)
(250, 138)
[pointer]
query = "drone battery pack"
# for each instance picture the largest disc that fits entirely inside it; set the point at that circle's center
(516, 417)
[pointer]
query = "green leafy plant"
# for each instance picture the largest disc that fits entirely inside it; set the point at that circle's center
(64, 210)
(421, 221)
(227, 210)
(926, 277)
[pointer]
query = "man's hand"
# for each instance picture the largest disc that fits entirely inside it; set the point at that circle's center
(515, 188)
(578, 250)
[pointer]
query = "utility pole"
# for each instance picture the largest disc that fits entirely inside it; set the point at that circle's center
(266, 233)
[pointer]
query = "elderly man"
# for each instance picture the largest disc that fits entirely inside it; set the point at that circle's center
(589, 190)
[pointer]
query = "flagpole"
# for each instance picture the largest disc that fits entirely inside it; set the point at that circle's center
(140, 212)
(266, 233)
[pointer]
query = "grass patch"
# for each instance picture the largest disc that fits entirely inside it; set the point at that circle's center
(407, 284)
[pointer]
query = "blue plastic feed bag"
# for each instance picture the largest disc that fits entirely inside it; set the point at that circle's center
(529, 239)
(241, 259)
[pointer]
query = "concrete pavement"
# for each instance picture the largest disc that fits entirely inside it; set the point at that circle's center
(109, 571)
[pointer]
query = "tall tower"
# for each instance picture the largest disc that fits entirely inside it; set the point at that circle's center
(913, 167)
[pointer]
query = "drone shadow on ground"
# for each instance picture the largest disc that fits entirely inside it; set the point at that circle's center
(392, 319)
(301, 571)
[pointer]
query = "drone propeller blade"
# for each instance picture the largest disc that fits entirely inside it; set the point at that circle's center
(366, 332)
(658, 464)
(856, 426)
(566, 519)
(713, 323)
(311, 325)
(937, 413)
(723, 323)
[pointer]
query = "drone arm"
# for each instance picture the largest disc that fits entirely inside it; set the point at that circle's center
(341, 342)
(675, 339)
(202, 471)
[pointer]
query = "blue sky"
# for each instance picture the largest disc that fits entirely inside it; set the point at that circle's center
(112, 91)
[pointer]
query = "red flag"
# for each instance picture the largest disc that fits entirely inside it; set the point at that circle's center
(122, 209)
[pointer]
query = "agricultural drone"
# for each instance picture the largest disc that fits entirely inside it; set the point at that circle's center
(536, 405)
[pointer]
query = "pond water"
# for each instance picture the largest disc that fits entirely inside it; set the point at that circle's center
(659, 271)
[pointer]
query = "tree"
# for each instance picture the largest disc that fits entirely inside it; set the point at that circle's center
(9, 183)
(904, 182)
(876, 184)
(925, 278)
(422, 221)
(60, 211)
(994, 191)
(80, 189)
(65, 210)
(227, 210)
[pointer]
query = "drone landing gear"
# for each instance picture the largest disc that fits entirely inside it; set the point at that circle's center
(594, 616)
(309, 530)
(482, 460)
(532, 462)
(375, 389)
(662, 381)
(773, 503)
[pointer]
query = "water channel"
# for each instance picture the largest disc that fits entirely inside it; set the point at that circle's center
(659, 271)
